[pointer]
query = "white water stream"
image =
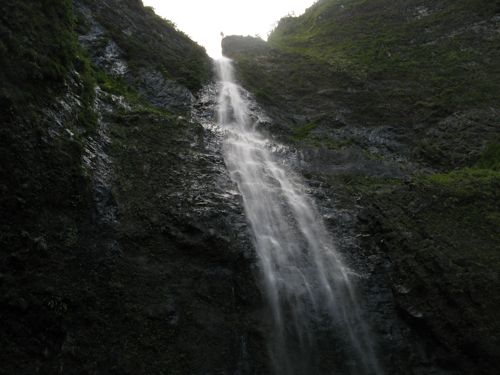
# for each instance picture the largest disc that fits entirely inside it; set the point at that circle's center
(307, 285)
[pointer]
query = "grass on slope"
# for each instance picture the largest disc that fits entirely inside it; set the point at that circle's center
(449, 47)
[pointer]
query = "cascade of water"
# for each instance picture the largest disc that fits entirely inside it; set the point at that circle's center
(307, 284)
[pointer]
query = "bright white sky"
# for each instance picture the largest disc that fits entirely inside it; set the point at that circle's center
(204, 20)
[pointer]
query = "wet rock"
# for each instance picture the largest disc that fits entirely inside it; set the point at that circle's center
(166, 312)
(364, 217)
(40, 244)
(162, 92)
(460, 138)
(401, 289)
(413, 312)
(105, 53)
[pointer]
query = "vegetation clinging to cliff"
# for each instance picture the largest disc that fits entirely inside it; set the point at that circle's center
(151, 41)
(38, 48)
(449, 48)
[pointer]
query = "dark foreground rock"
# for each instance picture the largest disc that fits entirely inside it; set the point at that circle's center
(124, 249)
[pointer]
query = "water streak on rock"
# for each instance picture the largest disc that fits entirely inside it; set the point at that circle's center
(307, 285)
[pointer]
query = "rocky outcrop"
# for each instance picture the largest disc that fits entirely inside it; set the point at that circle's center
(125, 52)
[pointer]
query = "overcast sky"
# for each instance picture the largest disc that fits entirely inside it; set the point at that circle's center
(204, 20)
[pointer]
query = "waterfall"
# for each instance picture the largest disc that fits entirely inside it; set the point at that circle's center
(307, 285)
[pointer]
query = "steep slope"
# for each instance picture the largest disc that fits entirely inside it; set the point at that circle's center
(444, 51)
(147, 41)
(394, 106)
(408, 63)
(116, 256)
(123, 245)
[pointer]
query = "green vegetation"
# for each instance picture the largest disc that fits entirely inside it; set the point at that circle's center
(59, 279)
(463, 207)
(304, 131)
(409, 64)
(442, 232)
(139, 105)
(471, 196)
(163, 47)
(479, 180)
(443, 235)
(46, 197)
(433, 47)
(38, 48)
(39, 53)
(427, 71)
(41, 64)
(491, 157)
(467, 180)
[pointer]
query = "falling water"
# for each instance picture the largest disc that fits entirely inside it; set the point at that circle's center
(307, 285)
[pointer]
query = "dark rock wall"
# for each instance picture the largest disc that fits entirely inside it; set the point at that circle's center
(123, 245)
(377, 100)
(124, 249)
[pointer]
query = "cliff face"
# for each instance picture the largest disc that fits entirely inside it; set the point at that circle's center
(394, 107)
(420, 67)
(121, 250)
(124, 248)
